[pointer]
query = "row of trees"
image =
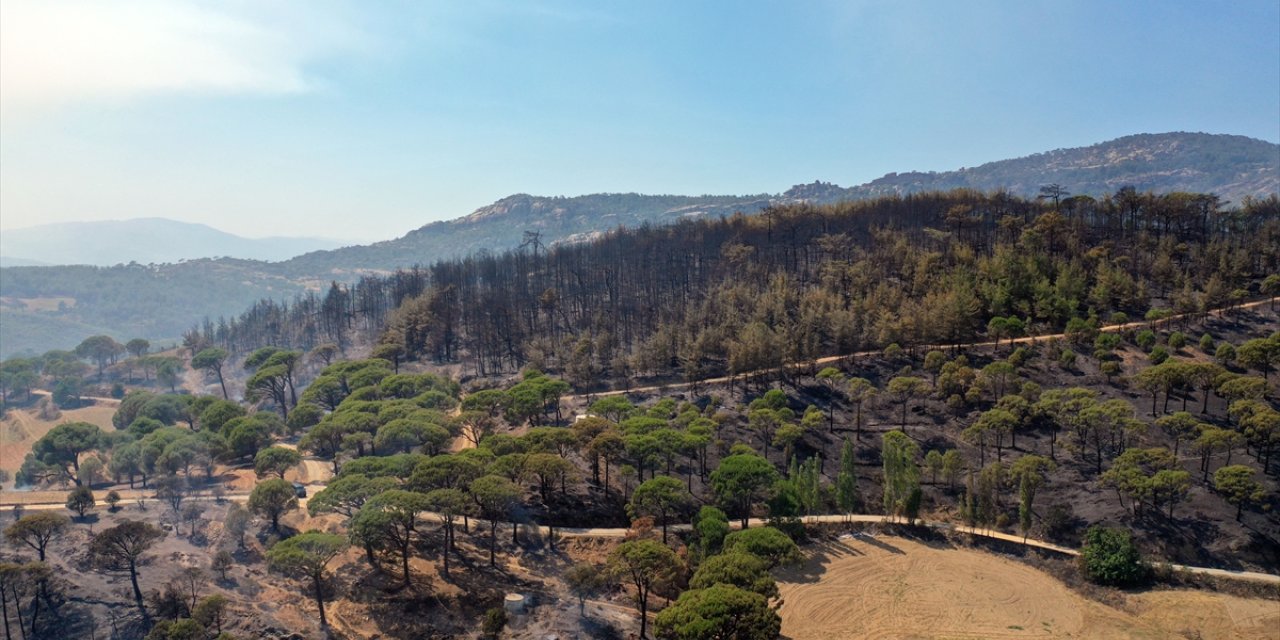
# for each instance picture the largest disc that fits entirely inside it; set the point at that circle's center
(749, 292)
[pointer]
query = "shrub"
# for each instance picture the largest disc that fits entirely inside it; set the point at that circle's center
(1110, 557)
(1158, 355)
(1177, 340)
(1067, 359)
(1207, 344)
(1146, 339)
(1019, 357)
(1225, 354)
(495, 620)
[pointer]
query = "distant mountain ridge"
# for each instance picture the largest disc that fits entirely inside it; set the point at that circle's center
(142, 240)
(1233, 167)
(51, 307)
(503, 224)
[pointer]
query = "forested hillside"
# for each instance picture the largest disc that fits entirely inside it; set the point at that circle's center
(45, 308)
(1231, 167)
(792, 283)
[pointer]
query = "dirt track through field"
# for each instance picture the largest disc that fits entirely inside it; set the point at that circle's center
(887, 587)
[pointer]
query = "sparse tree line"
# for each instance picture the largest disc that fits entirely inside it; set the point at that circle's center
(750, 292)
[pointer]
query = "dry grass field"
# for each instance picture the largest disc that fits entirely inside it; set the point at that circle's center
(20, 428)
(888, 587)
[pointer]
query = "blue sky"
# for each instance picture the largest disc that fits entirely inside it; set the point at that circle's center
(360, 121)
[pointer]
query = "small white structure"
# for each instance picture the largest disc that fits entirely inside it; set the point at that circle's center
(513, 603)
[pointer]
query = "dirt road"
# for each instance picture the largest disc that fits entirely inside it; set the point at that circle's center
(813, 364)
(7, 502)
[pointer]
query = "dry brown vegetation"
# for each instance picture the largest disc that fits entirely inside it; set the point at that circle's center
(868, 586)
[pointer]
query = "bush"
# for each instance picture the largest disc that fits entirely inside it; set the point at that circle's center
(1110, 557)
(495, 620)
(1225, 354)
(1158, 355)
(1019, 357)
(1207, 344)
(1146, 339)
(1059, 520)
(1177, 340)
(1067, 359)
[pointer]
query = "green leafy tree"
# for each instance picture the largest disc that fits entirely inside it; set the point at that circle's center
(1211, 441)
(662, 498)
(643, 564)
(272, 499)
(1260, 354)
(833, 379)
(1225, 354)
(275, 460)
(36, 530)
(1110, 557)
(740, 569)
(860, 391)
(496, 497)
(901, 474)
(584, 580)
(1236, 483)
(396, 513)
(711, 525)
(848, 497)
(1030, 472)
(210, 361)
(742, 481)
(450, 504)
(64, 444)
(222, 562)
(952, 466)
(719, 611)
(307, 555)
(1180, 426)
(211, 612)
(904, 389)
(81, 501)
(1132, 472)
(767, 543)
(119, 548)
(101, 349)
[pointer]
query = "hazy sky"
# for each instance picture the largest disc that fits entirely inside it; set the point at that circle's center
(362, 120)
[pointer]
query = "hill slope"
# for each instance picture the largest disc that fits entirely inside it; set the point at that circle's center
(141, 240)
(502, 225)
(1231, 166)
